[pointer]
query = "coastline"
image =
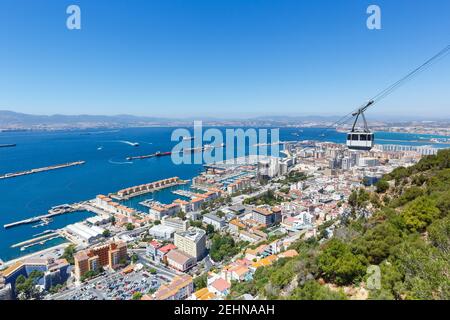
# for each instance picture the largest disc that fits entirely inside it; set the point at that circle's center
(97, 170)
(5, 264)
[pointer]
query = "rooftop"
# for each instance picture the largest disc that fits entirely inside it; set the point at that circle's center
(178, 282)
(221, 285)
(193, 234)
(179, 256)
(167, 248)
(213, 217)
(262, 211)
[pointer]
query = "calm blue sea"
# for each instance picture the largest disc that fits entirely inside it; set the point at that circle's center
(106, 170)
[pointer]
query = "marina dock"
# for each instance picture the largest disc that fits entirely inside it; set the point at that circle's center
(37, 170)
(185, 193)
(37, 240)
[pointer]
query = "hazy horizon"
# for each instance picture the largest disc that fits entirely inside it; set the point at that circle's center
(241, 116)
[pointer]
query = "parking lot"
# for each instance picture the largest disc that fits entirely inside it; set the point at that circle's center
(117, 286)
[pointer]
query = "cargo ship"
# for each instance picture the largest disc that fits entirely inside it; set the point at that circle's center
(157, 154)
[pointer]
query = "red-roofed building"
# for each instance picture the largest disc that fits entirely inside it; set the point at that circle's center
(163, 251)
(220, 287)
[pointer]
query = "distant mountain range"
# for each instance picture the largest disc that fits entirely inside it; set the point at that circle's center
(8, 118)
(15, 120)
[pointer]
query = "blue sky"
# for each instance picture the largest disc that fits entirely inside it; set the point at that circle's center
(221, 57)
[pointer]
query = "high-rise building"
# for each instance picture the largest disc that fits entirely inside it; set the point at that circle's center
(266, 217)
(109, 255)
(192, 242)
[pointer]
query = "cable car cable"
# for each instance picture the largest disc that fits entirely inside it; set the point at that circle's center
(390, 89)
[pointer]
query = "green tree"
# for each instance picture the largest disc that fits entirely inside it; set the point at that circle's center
(358, 199)
(382, 186)
(134, 258)
(137, 295)
(425, 271)
(200, 281)
(419, 213)
(439, 235)
(26, 286)
(106, 233)
(209, 229)
(443, 203)
(90, 274)
(339, 265)
(129, 226)
(69, 251)
(223, 246)
(377, 242)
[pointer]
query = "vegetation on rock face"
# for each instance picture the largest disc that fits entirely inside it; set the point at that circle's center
(312, 290)
(338, 264)
(419, 213)
(358, 199)
(382, 186)
(408, 237)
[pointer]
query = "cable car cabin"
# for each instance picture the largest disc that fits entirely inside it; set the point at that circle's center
(360, 140)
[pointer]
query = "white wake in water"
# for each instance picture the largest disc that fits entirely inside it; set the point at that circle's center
(119, 162)
(129, 142)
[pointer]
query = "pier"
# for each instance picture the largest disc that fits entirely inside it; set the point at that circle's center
(149, 203)
(185, 193)
(55, 211)
(34, 241)
(32, 171)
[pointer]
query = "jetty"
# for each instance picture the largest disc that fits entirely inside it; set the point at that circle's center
(43, 169)
(55, 211)
(185, 193)
(37, 240)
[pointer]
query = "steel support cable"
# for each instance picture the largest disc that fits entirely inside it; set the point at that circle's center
(390, 89)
